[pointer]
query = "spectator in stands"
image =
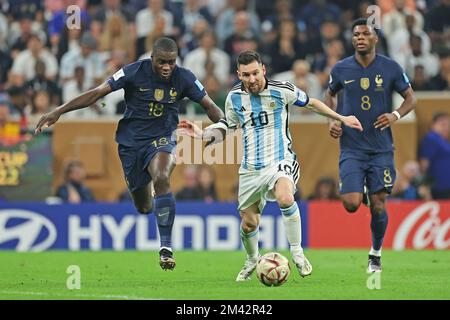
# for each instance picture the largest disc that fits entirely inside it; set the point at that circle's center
(206, 183)
(146, 18)
(441, 81)
(325, 189)
(41, 83)
(117, 36)
(407, 181)
(190, 13)
(226, 24)
(438, 25)
(235, 43)
(19, 42)
(57, 27)
(190, 191)
(301, 73)
(73, 190)
(434, 155)
(19, 101)
(196, 59)
(400, 41)
(396, 18)
(88, 58)
(69, 41)
(286, 48)
(418, 57)
(23, 68)
(145, 45)
(316, 12)
(40, 105)
(323, 63)
(419, 82)
(191, 41)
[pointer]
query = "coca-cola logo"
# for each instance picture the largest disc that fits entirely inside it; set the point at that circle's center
(432, 231)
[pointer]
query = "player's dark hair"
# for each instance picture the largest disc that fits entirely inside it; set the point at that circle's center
(363, 22)
(165, 44)
(439, 115)
(247, 57)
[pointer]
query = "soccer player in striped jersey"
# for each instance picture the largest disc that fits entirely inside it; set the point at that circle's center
(269, 169)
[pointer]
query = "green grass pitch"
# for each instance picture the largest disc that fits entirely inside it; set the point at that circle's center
(337, 274)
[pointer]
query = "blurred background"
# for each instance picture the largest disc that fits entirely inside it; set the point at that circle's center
(44, 64)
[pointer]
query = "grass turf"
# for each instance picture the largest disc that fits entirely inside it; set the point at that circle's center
(337, 274)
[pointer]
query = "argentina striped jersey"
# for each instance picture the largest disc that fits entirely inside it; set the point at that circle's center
(264, 119)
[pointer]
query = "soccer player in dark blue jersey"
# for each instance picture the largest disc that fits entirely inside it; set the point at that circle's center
(368, 81)
(153, 88)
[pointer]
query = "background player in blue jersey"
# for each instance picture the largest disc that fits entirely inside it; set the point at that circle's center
(153, 87)
(368, 81)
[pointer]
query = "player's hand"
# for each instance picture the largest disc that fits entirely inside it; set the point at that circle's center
(352, 122)
(385, 121)
(47, 120)
(188, 128)
(335, 129)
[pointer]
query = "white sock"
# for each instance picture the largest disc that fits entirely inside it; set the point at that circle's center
(250, 242)
(376, 253)
(293, 227)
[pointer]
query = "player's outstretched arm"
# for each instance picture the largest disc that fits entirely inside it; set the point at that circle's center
(334, 127)
(213, 134)
(212, 110)
(387, 119)
(319, 107)
(82, 101)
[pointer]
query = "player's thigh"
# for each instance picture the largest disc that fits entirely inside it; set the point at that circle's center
(161, 165)
(133, 165)
(381, 174)
(250, 191)
(250, 217)
(282, 181)
(284, 191)
(351, 177)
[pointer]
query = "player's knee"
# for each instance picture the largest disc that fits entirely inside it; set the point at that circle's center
(161, 183)
(143, 209)
(249, 226)
(351, 206)
(377, 208)
(285, 200)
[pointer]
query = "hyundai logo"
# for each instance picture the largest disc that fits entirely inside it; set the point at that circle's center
(27, 232)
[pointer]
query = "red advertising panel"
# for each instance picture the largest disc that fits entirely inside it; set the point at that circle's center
(412, 225)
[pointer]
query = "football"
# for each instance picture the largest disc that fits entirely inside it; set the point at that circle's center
(273, 269)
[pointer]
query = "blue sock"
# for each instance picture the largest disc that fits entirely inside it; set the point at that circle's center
(378, 225)
(165, 215)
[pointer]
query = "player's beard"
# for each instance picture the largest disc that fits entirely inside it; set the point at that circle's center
(255, 88)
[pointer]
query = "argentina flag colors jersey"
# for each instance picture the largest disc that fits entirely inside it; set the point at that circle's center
(264, 119)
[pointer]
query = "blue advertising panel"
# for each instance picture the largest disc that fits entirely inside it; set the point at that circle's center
(198, 226)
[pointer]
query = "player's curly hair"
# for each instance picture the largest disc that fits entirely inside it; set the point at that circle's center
(363, 22)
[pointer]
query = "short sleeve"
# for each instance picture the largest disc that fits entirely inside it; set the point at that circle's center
(230, 114)
(334, 83)
(296, 96)
(119, 79)
(401, 81)
(194, 90)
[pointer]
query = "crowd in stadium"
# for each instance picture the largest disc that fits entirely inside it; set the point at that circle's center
(43, 63)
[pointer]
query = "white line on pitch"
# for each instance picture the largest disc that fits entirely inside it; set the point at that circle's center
(78, 295)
